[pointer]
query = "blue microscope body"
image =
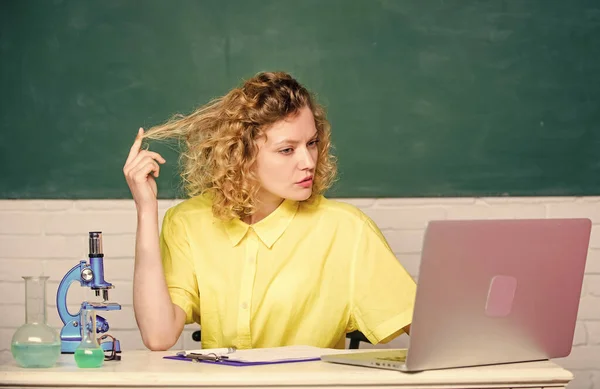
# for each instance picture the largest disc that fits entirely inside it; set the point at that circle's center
(88, 274)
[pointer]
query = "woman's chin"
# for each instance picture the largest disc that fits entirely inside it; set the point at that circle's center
(300, 195)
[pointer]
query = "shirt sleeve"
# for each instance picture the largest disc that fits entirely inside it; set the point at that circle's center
(179, 268)
(382, 292)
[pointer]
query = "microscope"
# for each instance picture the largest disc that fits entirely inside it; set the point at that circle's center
(89, 274)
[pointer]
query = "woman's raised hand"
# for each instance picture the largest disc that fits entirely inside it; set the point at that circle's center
(141, 170)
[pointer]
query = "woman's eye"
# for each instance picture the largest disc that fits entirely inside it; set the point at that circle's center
(286, 151)
(313, 142)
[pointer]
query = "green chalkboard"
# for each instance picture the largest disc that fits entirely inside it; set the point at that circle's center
(426, 97)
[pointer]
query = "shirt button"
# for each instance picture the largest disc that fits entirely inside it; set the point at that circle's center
(244, 305)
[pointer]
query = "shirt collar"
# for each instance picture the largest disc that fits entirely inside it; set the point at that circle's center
(268, 229)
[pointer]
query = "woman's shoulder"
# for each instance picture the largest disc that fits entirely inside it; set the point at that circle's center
(339, 210)
(192, 206)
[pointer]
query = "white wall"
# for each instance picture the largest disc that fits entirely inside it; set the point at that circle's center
(50, 237)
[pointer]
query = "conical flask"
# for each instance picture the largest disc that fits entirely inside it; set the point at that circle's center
(35, 344)
(89, 353)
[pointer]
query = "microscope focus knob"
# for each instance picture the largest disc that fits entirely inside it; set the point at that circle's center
(87, 274)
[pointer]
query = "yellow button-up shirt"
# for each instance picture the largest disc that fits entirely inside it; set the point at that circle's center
(305, 274)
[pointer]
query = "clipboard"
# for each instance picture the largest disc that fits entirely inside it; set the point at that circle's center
(238, 363)
(254, 357)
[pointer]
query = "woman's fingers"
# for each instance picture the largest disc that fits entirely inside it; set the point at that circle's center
(140, 169)
(142, 156)
(135, 148)
(146, 153)
(146, 167)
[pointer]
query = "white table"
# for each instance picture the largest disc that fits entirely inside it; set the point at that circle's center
(149, 369)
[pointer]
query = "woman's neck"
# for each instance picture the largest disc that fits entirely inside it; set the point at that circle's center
(265, 206)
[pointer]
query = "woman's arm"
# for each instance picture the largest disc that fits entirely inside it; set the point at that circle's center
(159, 320)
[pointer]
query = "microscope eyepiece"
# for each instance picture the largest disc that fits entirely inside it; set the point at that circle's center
(96, 244)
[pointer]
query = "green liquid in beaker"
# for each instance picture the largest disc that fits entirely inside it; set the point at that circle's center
(89, 357)
(35, 354)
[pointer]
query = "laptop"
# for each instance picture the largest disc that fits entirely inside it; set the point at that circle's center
(491, 292)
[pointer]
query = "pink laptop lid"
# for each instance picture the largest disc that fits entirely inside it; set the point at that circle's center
(496, 291)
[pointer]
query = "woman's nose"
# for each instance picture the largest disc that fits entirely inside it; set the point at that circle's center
(307, 160)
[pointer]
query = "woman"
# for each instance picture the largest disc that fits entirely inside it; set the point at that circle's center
(257, 255)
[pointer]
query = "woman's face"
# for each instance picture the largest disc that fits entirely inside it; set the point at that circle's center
(287, 158)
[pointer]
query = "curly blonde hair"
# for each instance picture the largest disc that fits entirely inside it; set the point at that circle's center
(219, 147)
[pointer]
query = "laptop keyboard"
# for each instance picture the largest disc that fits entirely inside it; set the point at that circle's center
(394, 358)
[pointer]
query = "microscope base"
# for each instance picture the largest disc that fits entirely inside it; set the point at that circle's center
(69, 346)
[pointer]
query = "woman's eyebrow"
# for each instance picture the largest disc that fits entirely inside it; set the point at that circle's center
(292, 141)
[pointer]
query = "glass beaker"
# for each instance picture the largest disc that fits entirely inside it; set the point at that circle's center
(35, 343)
(89, 353)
